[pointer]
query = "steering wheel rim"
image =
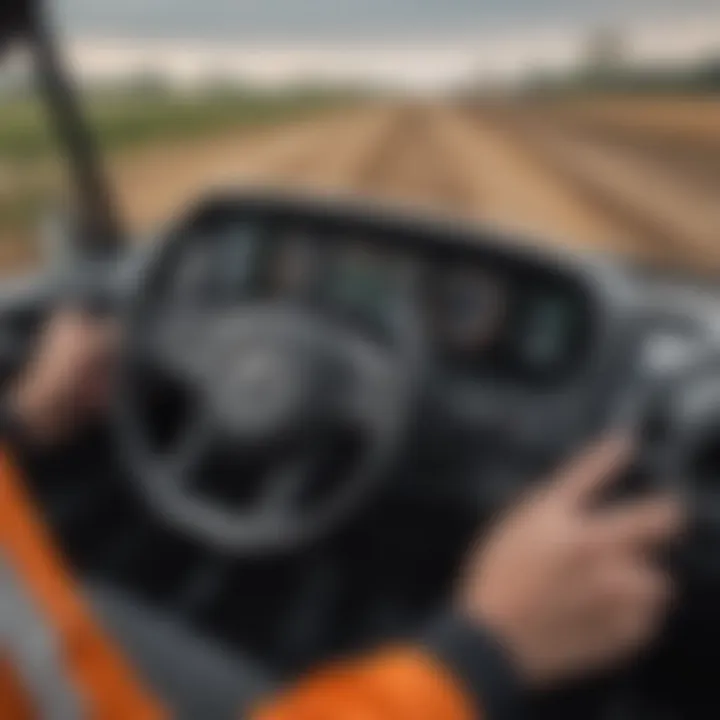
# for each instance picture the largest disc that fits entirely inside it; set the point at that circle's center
(159, 476)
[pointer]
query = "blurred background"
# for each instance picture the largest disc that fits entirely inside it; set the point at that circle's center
(583, 124)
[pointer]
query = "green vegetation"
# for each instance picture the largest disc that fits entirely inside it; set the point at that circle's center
(608, 66)
(701, 78)
(128, 119)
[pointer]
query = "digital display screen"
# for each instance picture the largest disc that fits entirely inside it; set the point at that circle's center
(545, 335)
(366, 284)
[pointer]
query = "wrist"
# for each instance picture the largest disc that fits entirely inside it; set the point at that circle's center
(481, 663)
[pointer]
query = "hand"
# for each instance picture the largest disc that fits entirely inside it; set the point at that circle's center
(68, 381)
(569, 589)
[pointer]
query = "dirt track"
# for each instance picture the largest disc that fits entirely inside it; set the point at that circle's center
(581, 178)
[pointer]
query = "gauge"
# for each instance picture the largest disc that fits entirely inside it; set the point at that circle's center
(468, 312)
(295, 265)
(236, 260)
(363, 277)
(217, 266)
(367, 284)
(546, 334)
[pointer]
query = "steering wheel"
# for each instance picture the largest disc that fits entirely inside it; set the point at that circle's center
(274, 381)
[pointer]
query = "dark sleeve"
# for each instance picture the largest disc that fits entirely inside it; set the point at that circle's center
(9, 425)
(11, 429)
(480, 664)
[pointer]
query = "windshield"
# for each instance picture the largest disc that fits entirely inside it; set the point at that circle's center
(30, 168)
(589, 125)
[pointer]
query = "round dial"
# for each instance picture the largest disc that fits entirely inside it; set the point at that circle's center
(468, 311)
(295, 265)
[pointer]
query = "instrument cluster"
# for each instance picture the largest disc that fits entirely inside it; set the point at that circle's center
(479, 319)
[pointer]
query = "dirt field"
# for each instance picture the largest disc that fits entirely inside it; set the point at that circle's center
(640, 178)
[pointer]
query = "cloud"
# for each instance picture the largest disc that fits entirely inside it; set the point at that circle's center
(346, 19)
(420, 65)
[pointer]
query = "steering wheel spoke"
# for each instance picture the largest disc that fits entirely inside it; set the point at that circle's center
(365, 397)
(185, 459)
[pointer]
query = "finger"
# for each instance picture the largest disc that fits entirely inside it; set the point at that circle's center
(98, 340)
(643, 617)
(632, 581)
(643, 524)
(108, 336)
(593, 469)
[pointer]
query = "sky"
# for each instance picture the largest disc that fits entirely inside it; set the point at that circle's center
(421, 44)
(333, 19)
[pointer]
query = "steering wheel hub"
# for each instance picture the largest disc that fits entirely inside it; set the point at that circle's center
(268, 391)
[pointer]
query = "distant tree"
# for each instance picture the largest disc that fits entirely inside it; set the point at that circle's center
(605, 57)
(606, 50)
(709, 75)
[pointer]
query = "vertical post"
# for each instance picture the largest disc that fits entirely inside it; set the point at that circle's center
(99, 229)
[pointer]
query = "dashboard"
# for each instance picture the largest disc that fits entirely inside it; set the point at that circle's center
(480, 317)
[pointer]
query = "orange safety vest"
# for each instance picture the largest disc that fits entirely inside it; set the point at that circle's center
(57, 661)
(400, 684)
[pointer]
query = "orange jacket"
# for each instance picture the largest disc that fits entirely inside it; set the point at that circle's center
(401, 684)
(394, 685)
